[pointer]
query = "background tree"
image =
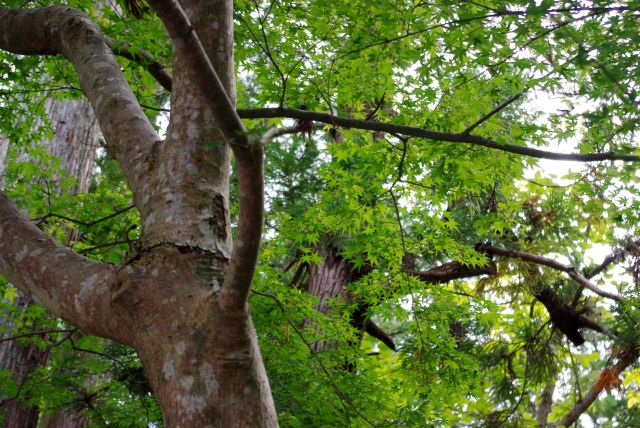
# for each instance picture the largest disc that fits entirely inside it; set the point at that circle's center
(75, 143)
(414, 214)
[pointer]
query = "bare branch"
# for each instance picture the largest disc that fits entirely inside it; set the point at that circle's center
(534, 258)
(43, 218)
(62, 30)
(493, 112)
(609, 260)
(278, 132)
(497, 13)
(106, 245)
(36, 333)
(261, 113)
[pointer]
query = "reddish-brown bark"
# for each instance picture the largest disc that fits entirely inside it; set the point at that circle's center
(75, 142)
(21, 360)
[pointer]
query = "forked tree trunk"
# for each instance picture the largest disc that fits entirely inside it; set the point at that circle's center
(75, 142)
(180, 298)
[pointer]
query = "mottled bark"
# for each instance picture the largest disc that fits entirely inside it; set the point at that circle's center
(180, 299)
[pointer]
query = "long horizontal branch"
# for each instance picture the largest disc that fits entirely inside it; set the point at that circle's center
(544, 261)
(452, 137)
(54, 30)
(70, 286)
(451, 271)
(463, 137)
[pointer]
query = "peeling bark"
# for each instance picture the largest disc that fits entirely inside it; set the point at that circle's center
(181, 298)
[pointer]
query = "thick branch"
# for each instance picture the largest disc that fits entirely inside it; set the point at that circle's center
(70, 286)
(450, 271)
(372, 329)
(260, 113)
(249, 155)
(565, 318)
(61, 30)
(534, 258)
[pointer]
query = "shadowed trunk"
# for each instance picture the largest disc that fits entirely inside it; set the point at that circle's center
(21, 361)
(329, 280)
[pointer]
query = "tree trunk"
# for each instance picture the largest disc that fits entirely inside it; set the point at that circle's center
(329, 280)
(180, 298)
(62, 419)
(4, 145)
(21, 361)
(75, 143)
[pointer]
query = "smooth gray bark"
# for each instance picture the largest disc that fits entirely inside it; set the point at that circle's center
(180, 298)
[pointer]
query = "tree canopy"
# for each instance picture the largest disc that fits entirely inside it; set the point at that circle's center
(451, 200)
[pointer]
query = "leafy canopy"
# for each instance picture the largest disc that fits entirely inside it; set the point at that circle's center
(555, 75)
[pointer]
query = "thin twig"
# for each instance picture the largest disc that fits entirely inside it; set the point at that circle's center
(36, 333)
(493, 112)
(41, 219)
(105, 245)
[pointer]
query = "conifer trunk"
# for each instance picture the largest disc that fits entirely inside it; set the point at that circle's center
(75, 142)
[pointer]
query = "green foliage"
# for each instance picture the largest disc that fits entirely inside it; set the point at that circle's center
(470, 352)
